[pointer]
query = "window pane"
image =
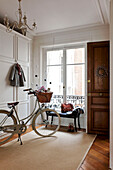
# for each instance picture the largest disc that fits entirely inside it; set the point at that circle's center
(54, 57)
(54, 75)
(75, 56)
(76, 80)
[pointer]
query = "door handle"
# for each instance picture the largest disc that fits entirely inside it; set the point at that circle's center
(100, 94)
(89, 81)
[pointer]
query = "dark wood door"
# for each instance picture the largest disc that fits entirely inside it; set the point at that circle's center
(98, 87)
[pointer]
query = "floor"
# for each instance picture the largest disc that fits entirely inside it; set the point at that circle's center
(97, 157)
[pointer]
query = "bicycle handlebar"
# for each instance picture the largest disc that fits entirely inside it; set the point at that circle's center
(31, 92)
(27, 89)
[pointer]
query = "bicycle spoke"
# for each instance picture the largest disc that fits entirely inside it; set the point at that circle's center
(6, 126)
(3, 121)
(46, 126)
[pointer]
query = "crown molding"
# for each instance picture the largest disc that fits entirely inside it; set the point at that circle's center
(78, 28)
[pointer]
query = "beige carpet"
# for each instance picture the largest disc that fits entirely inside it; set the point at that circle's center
(63, 151)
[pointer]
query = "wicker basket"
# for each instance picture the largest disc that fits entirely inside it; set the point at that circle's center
(44, 97)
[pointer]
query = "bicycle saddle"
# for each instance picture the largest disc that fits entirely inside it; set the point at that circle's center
(12, 104)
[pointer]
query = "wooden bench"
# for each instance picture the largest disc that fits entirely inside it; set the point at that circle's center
(73, 114)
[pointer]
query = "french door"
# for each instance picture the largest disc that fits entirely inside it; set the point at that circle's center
(65, 73)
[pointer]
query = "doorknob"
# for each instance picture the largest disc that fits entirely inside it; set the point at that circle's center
(100, 94)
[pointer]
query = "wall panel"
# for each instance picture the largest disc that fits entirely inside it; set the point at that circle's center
(23, 53)
(23, 96)
(6, 90)
(6, 44)
(23, 50)
(23, 110)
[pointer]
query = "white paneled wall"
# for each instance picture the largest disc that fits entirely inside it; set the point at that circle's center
(14, 48)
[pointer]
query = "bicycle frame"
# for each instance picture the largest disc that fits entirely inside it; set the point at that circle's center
(31, 115)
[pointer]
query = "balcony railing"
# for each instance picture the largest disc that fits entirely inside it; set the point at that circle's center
(57, 100)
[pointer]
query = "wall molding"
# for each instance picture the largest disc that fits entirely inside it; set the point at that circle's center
(69, 29)
(100, 32)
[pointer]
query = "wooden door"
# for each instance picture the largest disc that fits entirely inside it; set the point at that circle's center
(98, 87)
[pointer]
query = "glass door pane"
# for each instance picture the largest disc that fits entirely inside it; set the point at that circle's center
(54, 57)
(75, 76)
(55, 76)
(75, 56)
(54, 79)
(75, 80)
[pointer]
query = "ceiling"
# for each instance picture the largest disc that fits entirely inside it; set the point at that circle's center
(59, 15)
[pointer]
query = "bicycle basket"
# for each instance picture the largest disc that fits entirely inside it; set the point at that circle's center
(44, 97)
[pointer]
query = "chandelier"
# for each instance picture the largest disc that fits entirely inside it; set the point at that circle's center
(20, 24)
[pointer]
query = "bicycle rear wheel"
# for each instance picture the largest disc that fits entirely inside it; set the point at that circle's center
(44, 124)
(6, 121)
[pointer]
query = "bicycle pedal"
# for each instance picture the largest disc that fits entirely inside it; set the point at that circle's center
(46, 122)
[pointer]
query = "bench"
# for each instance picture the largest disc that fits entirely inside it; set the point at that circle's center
(71, 114)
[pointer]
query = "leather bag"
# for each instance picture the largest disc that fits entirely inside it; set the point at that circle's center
(66, 107)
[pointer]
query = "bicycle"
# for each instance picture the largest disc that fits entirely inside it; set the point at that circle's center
(10, 124)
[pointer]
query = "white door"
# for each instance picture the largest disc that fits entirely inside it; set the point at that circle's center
(65, 75)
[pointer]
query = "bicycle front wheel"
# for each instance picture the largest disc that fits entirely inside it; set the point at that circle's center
(46, 122)
(6, 126)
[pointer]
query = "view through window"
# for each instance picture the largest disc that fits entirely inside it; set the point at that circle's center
(75, 74)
